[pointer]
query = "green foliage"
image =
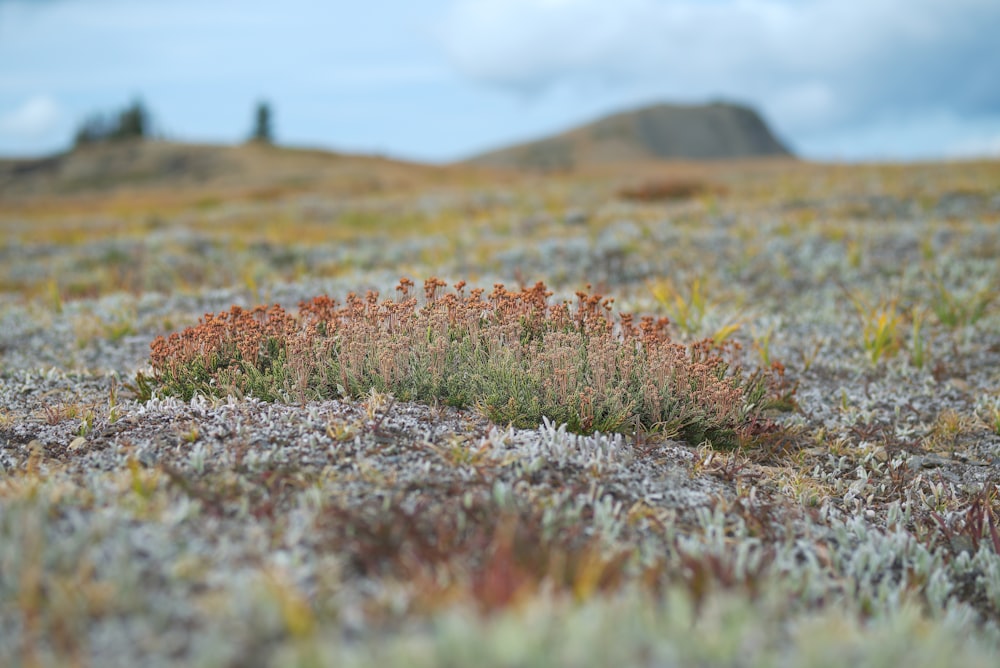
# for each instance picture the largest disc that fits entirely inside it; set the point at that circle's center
(86, 423)
(142, 388)
(988, 410)
(958, 309)
(918, 344)
(880, 325)
(686, 311)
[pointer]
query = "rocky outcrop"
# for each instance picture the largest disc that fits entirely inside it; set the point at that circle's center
(664, 131)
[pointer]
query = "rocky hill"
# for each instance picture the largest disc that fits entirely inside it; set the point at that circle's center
(660, 132)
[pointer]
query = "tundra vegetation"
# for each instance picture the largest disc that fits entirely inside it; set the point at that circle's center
(513, 355)
(230, 435)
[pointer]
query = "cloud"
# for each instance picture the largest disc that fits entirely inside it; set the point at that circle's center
(985, 147)
(35, 118)
(811, 65)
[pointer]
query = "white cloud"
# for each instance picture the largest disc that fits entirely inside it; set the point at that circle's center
(810, 65)
(35, 118)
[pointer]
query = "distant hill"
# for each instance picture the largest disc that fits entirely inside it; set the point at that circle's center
(664, 131)
(148, 165)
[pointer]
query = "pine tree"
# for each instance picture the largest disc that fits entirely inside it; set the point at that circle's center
(262, 124)
(132, 122)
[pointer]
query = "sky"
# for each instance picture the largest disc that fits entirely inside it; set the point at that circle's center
(440, 80)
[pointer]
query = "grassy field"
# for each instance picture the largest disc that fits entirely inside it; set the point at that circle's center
(751, 419)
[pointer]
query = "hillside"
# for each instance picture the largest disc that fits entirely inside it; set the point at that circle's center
(660, 132)
(171, 166)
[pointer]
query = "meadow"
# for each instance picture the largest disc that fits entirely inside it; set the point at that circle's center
(365, 413)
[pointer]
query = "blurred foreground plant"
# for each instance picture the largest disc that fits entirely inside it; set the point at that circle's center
(988, 410)
(879, 327)
(514, 355)
(686, 311)
(918, 344)
(958, 309)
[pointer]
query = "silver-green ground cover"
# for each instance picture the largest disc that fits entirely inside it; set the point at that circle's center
(106, 559)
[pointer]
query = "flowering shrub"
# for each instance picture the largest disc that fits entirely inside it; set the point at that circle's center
(513, 354)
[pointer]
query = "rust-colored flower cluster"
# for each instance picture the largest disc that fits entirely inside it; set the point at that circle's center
(236, 335)
(514, 353)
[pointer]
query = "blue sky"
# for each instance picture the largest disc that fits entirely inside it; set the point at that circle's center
(438, 80)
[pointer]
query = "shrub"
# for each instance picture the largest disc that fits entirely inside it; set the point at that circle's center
(668, 189)
(514, 355)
